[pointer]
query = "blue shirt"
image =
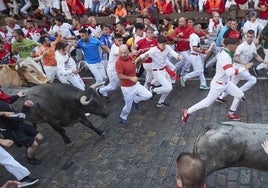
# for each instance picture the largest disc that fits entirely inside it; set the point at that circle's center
(90, 49)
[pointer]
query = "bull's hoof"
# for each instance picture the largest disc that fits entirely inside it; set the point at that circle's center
(69, 144)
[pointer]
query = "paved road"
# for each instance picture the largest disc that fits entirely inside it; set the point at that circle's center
(143, 153)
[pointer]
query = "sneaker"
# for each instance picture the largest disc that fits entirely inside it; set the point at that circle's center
(161, 105)
(33, 161)
(204, 87)
(182, 82)
(233, 116)
(123, 121)
(27, 181)
(220, 101)
(185, 115)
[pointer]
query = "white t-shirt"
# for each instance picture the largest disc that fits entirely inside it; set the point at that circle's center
(246, 51)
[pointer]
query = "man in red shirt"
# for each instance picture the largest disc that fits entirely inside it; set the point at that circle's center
(181, 38)
(142, 46)
(263, 8)
(131, 89)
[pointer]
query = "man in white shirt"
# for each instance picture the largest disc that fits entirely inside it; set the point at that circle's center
(244, 53)
(221, 82)
(159, 55)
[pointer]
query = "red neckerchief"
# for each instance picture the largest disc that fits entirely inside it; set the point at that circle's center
(4, 97)
(215, 23)
(93, 26)
(159, 48)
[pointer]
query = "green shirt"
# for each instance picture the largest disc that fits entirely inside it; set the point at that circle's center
(25, 47)
(265, 36)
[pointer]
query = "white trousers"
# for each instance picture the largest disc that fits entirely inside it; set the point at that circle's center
(163, 78)
(98, 71)
(149, 74)
(136, 94)
(12, 166)
(198, 70)
(73, 79)
(186, 63)
(113, 83)
(50, 72)
(215, 91)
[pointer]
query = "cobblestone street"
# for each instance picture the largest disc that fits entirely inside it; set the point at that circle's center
(142, 153)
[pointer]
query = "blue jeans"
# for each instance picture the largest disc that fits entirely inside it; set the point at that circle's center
(95, 7)
(193, 3)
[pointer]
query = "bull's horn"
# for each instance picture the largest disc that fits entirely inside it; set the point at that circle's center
(84, 100)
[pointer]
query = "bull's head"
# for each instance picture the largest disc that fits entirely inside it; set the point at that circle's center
(31, 71)
(93, 103)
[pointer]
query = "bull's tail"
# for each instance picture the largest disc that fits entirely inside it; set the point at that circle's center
(203, 131)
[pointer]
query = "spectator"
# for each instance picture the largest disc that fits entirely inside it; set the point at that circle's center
(14, 127)
(11, 25)
(95, 7)
(214, 6)
(263, 8)
(3, 8)
(265, 49)
(120, 28)
(131, 89)
(5, 53)
(94, 27)
(229, 3)
(67, 71)
(193, 5)
(222, 31)
(22, 46)
(143, 5)
(165, 6)
(21, 173)
(147, 22)
(120, 11)
(107, 39)
(90, 46)
(184, 5)
(26, 7)
(233, 32)
(215, 25)
(5, 35)
(31, 31)
(253, 24)
(190, 171)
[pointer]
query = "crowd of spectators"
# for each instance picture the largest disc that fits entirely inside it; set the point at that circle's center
(46, 9)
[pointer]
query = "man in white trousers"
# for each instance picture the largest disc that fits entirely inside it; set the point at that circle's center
(131, 89)
(244, 53)
(159, 55)
(197, 61)
(111, 72)
(21, 173)
(221, 81)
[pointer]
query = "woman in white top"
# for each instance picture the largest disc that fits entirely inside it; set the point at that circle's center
(67, 71)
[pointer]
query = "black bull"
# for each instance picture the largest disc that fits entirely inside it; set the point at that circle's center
(62, 105)
(233, 144)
